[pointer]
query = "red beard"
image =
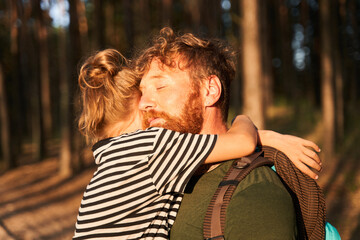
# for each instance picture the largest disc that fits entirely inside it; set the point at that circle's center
(190, 120)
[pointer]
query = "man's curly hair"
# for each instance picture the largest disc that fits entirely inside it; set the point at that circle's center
(199, 56)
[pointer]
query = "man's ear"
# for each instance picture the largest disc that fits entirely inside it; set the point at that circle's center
(213, 90)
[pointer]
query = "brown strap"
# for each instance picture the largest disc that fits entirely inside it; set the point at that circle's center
(214, 220)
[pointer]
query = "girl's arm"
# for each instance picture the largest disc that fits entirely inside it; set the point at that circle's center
(300, 151)
(239, 141)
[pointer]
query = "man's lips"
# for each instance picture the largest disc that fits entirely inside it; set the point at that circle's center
(154, 121)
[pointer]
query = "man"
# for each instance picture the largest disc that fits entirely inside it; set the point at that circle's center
(185, 87)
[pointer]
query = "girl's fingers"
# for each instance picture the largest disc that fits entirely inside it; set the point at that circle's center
(313, 155)
(312, 145)
(311, 163)
(306, 170)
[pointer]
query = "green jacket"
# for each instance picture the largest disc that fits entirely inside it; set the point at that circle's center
(261, 207)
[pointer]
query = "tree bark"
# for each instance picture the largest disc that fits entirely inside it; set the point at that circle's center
(42, 37)
(65, 109)
(10, 130)
(99, 28)
(339, 78)
(166, 13)
(128, 22)
(266, 57)
(327, 76)
(193, 7)
(288, 72)
(251, 63)
(83, 26)
(8, 157)
(210, 16)
(70, 140)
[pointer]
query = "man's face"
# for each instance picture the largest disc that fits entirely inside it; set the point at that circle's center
(170, 100)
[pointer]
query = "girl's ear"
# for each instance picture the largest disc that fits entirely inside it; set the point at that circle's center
(213, 90)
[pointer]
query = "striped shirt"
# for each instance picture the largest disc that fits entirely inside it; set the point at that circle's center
(137, 189)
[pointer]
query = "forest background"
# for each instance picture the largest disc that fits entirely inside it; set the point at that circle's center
(298, 73)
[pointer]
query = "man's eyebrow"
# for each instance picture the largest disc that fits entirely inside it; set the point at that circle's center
(158, 76)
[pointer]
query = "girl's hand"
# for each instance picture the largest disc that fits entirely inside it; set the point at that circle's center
(303, 153)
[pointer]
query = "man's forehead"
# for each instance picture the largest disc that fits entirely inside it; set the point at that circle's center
(159, 70)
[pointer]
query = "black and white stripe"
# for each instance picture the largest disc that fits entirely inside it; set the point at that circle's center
(138, 186)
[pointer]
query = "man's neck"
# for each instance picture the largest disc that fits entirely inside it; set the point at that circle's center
(213, 123)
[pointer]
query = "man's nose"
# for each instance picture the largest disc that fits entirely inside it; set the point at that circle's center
(146, 102)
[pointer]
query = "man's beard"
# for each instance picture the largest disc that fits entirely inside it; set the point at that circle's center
(190, 120)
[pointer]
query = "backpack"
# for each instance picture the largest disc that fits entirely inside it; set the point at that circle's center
(308, 199)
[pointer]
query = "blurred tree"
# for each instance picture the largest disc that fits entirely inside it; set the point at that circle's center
(284, 41)
(7, 154)
(211, 16)
(112, 25)
(251, 63)
(193, 7)
(10, 133)
(65, 108)
(167, 12)
(353, 52)
(307, 78)
(267, 74)
(71, 141)
(42, 41)
(128, 23)
(99, 26)
(144, 23)
(327, 76)
(337, 12)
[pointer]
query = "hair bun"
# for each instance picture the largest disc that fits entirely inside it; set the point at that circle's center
(100, 69)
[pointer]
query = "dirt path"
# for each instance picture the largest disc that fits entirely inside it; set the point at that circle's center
(36, 203)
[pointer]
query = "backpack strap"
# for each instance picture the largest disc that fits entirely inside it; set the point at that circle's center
(308, 198)
(214, 221)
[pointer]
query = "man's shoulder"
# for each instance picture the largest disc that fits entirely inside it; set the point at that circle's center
(262, 204)
(261, 176)
(260, 184)
(261, 207)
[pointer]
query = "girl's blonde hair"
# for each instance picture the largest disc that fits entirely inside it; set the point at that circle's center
(108, 91)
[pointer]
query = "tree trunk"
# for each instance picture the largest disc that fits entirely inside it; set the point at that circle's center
(65, 109)
(210, 16)
(307, 77)
(83, 26)
(288, 72)
(251, 62)
(193, 7)
(128, 22)
(339, 78)
(166, 13)
(99, 28)
(327, 75)
(7, 155)
(266, 57)
(70, 138)
(10, 130)
(144, 24)
(42, 35)
(112, 38)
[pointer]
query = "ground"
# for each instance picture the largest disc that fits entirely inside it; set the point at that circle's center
(36, 203)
